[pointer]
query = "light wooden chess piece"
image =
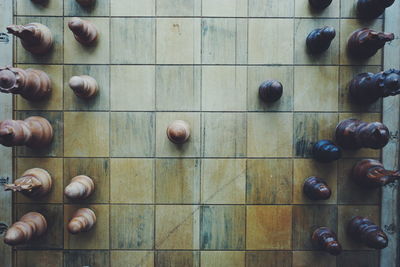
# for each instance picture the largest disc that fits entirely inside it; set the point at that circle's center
(82, 221)
(84, 31)
(30, 226)
(84, 86)
(34, 183)
(86, 3)
(35, 37)
(80, 187)
(178, 132)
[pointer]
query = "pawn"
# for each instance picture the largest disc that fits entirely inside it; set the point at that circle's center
(320, 4)
(371, 173)
(84, 31)
(355, 134)
(316, 189)
(82, 221)
(371, 9)
(325, 239)
(30, 226)
(178, 132)
(34, 132)
(84, 86)
(326, 151)
(365, 231)
(80, 187)
(31, 84)
(270, 91)
(40, 2)
(365, 43)
(86, 3)
(34, 183)
(35, 37)
(320, 39)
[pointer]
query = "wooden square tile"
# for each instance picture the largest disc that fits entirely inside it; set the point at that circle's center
(86, 134)
(303, 9)
(177, 227)
(358, 258)
(96, 168)
(223, 227)
(177, 181)
(261, 44)
(269, 227)
(132, 228)
(132, 41)
(177, 258)
(132, 8)
(269, 258)
(224, 8)
(223, 181)
(260, 125)
(317, 92)
(224, 88)
(176, 8)
(29, 8)
(313, 258)
(137, 258)
(97, 238)
(99, 53)
(73, 258)
(100, 8)
(223, 258)
(269, 181)
(348, 9)
(231, 142)
(39, 258)
(271, 8)
(132, 181)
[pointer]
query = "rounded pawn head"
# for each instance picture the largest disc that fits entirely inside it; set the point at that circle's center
(77, 83)
(178, 132)
(270, 91)
(76, 25)
(8, 80)
(324, 192)
(334, 248)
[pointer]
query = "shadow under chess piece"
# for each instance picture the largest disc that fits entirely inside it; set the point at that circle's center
(326, 151)
(178, 132)
(365, 43)
(31, 225)
(34, 183)
(34, 132)
(41, 2)
(365, 231)
(270, 91)
(371, 9)
(35, 37)
(367, 88)
(86, 3)
(320, 39)
(325, 239)
(84, 86)
(82, 221)
(31, 84)
(320, 4)
(316, 189)
(371, 173)
(84, 31)
(355, 134)
(80, 187)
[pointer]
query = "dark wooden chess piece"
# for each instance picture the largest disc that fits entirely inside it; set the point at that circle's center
(178, 132)
(325, 239)
(34, 183)
(40, 2)
(31, 84)
(371, 9)
(82, 221)
(84, 86)
(316, 189)
(80, 187)
(86, 3)
(326, 151)
(270, 91)
(365, 43)
(34, 132)
(320, 4)
(355, 134)
(365, 231)
(320, 39)
(30, 226)
(371, 173)
(84, 31)
(35, 37)
(366, 88)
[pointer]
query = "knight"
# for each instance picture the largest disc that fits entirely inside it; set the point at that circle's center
(35, 37)
(33, 183)
(365, 43)
(370, 173)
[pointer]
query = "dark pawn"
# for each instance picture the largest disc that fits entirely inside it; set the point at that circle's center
(371, 173)
(325, 239)
(365, 43)
(366, 88)
(326, 151)
(270, 91)
(371, 9)
(365, 231)
(320, 4)
(316, 189)
(355, 134)
(320, 39)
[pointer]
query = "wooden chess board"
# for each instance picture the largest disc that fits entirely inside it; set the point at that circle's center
(232, 195)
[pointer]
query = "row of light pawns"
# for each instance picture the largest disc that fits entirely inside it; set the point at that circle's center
(365, 88)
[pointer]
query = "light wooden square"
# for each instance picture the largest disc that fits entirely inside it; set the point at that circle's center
(177, 258)
(271, 8)
(132, 7)
(44, 258)
(223, 258)
(176, 8)
(138, 258)
(74, 258)
(99, 8)
(224, 8)
(269, 258)
(313, 258)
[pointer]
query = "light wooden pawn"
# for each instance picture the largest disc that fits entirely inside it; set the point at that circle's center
(82, 221)
(34, 183)
(84, 86)
(178, 132)
(84, 31)
(80, 187)
(31, 225)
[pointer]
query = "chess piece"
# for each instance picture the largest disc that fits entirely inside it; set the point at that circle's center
(371, 9)
(316, 189)
(355, 134)
(178, 132)
(270, 91)
(40, 2)
(320, 4)
(86, 3)
(80, 187)
(31, 84)
(325, 239)
(84, 31)
(365, 43)
(82, 221)
(371, 173)
(366, 88)
(35, 37)
(34, 132)
(34, 183)
(320, 39)
(84, 86)
(365, 231)
(30, 226)
(326, 151)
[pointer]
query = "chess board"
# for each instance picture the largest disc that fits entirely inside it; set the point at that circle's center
(232, 195)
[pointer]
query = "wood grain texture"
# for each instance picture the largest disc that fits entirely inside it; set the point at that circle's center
(34, 258)
(359, 258)
(269, 258)
(177, 258)
(313, 258)
(223, 258)
(132, 258)
(73, 258)
(100, 8)
(132, 7)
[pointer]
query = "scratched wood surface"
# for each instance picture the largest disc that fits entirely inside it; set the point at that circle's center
(232, 195)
